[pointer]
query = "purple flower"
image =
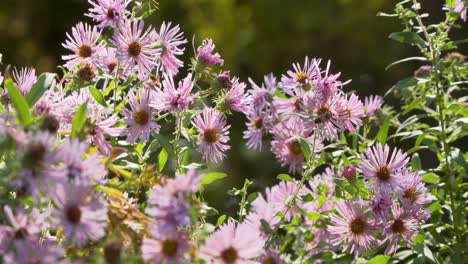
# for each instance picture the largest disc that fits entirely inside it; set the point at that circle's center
(139, 117)
(423, 72)
(260, 94)
(108, 12)
(166, 248)
(380, 203)
(352, 228)
(328, 85)
(256, 126)
(172, 98)
(169, 39)
(37, 253)
(136, 48)
(233, 244)
(84, 43)
(81, 213)
(213, 134)
(263, 210)
(412, 192)
(460, 7)
(324, 115)
(24, 79)
(377, 163)
(349, 172)
(300, 77)
(403, 225)
(108, 61)
(373, 105)
(206, 56)
(350, 112)
(236, 99)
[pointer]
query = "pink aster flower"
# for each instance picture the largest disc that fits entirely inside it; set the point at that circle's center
(214, 134)
(24, 79)
(352, 228)
(82, 214)
(233, 244)
(300, 76)
(260, 94)
(460, 7)
(324, 115)
(108, 61)
(403, 225)
(285, 144)
(84, 43)
(323, 184)
(172, 98)
(279, 195)
(373, 105)
(256, 126)
(170, 40)
(412, 192)
(206, 56)
(136, 48)
(165, 248)
(236, 99)
(380, 203)
(139, 117)
(263, 210)
(36, 253)
(108, 12)
(328, 85)
(350, 112)
(385, 167)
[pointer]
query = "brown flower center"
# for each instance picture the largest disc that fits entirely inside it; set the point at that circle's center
(229, 255)
(257, 123)
(383, 173)
(357, 226)
(210, 135)
(21, 233)
(134, 49)
(85, 51)
(169, 247)
(411, 195)
(398, 226)
(73, 214)
(269, 260)
(301, 77)
(35, 154)
(110, 13)
(86, 72)
(111, 66)
(323, 115)
(295, 148)
(141, 117)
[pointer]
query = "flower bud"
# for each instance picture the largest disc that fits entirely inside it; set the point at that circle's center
(349, 172)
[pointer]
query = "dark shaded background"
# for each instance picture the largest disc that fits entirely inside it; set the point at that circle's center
(255, 37)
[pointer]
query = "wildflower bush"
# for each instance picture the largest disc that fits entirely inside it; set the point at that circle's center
(108, 160)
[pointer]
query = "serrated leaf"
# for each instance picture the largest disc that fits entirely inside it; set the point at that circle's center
(97, 95)
(19, 103)
(285, 177)
(162, 159)
(42, 84)
(407, 38)
(211, 177)
(79, 119)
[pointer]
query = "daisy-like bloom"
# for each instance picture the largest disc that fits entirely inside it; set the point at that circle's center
(84, 43)
(107, 12)
(24, 79)
(213, 134)
(136, 48)
(206, 56)
(373, 105)
(300, 76)
(36, 253)
(293, 104)
(403, 225)
(81, 214)
(23, 228)
(139, 117)
(233, 244)
(352, 228)
(460, 7)
(76, 169)
(412, 192)
(260, 94)
(380, 203)
(169, 39)
(324, 115)
(286, 146)
(328, 85)
(279, 196)
(350, 112)
(166, 248)
(172, 98)
(385, 167)
(256, 126)
(263, 210)
(271, 257)
(108, 61)
(235, 98)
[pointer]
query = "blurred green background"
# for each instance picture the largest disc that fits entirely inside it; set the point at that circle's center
(255, 37)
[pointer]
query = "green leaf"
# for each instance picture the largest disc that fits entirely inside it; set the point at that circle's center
(19, 103)
(266, 227)
(405, 60)
(405, 83)
(305, 147)
(79, 119)
(380, 259)
(211, 177)
(220, 220)
(285, 177)
(42, 84)
(162, 159)
(252, 197)
(97, 95)
(306, 197)
(431, 178)
(383, 131)
(407, 38)
(416, 162)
